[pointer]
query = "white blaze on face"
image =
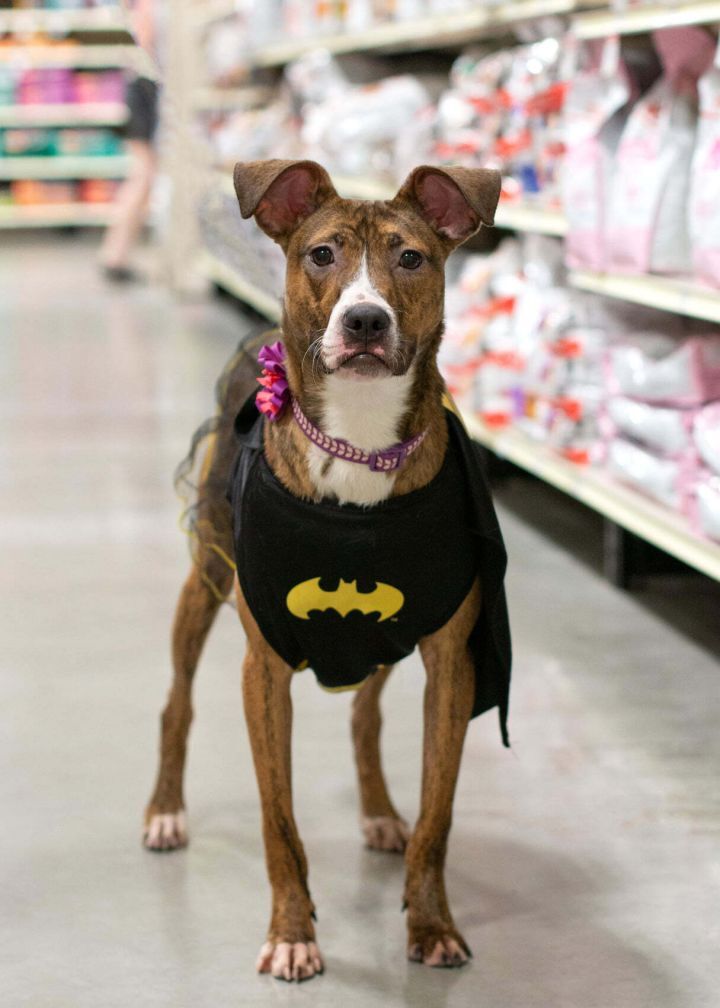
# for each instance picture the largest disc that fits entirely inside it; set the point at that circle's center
(365, 412)
(360, 290)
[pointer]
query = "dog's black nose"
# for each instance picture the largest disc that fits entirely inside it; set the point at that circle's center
(365, 323)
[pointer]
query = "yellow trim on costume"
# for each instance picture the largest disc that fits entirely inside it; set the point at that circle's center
(211, 585)
(341, 689)
(450, 404)
(223, 555)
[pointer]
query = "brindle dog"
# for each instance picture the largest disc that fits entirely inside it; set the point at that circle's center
(390, 255)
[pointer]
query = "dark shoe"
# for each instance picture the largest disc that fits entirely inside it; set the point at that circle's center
(121, 274)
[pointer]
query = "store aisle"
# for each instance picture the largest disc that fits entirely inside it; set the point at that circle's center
(583, 865)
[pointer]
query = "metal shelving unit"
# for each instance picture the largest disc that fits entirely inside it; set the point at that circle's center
(72, 55)
(32, 48)
(55, 215)
(652, 522)
(86, 114)
(32, 20)
(208, 11)
(230, 280)
(430, 32)
(520, 215)
(680, 296)
(644, 18)
(115, 166)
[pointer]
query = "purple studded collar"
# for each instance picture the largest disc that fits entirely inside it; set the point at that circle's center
(275, 395)
(387, 461)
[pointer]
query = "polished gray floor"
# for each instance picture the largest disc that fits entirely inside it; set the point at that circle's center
(583, 865)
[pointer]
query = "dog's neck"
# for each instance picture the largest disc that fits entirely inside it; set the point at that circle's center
(371, 415)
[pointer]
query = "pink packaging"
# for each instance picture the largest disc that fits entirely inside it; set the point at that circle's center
(704, 208)
(706, 432)
(667, 481)
(704, 505)
(46, 86)
(658, 369)
(648, 228)
(667, 430)
(592, 126)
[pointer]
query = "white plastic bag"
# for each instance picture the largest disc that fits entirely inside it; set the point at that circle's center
(706, 432)
(664, 429)
(661, 370)
(592, 127)
(704, 208)
(648, 229)
(665, 480)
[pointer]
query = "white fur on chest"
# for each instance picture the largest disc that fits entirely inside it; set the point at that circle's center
(368, 415)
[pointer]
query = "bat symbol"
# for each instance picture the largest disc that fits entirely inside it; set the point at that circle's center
(307, 596)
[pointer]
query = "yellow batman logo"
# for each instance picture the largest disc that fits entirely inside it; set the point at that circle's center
(383, 599)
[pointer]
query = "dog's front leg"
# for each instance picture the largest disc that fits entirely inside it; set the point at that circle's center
(449, 692)
(290, 952)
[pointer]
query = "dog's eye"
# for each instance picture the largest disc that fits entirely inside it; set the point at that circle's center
(410, 259)
(322, 255)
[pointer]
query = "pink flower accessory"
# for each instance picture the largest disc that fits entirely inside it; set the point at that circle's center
(274, 395)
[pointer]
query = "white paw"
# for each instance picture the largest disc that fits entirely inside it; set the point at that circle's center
(385, 833)
(290, 961)
(166, 831)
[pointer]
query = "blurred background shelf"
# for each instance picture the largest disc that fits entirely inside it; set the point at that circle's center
(520, 215)
(62, 215)
(600, 24)
(421, 33)
(32, 20)
(650, 521)
(680, 296)
(69, 55)
(231, 280)
(230, 99)
(59, 114)
(208, 11)
(115, 166)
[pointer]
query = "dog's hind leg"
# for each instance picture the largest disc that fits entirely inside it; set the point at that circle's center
(201, 597)
(381, 825)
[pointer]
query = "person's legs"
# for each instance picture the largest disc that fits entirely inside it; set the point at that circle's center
(131, 206)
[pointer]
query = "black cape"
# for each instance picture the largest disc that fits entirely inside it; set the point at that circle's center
(344, 588)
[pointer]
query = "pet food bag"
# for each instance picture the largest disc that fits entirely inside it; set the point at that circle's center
(665, 480)
(704, 209)
(706, 432)
(659, 369)
(705, 506)
(665, 429)
(594, 116)
(648, 230)
(574, 428)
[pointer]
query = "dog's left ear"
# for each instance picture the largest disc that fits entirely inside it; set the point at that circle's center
(281, 194)
(454, 201)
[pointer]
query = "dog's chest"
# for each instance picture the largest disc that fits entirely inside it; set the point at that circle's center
(367, 415)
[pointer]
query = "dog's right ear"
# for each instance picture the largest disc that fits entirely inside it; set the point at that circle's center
(281, 194)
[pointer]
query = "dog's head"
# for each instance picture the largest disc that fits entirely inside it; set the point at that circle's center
(365, 281)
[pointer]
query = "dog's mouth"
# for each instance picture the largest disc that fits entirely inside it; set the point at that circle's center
(363, 363)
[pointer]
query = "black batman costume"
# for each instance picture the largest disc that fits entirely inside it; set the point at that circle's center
(344, 588)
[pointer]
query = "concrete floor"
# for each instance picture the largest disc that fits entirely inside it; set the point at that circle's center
(583, 865)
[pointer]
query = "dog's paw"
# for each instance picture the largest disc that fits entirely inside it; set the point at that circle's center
(165, 831)
(439, 950)
(290, 960)
(386, 833)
